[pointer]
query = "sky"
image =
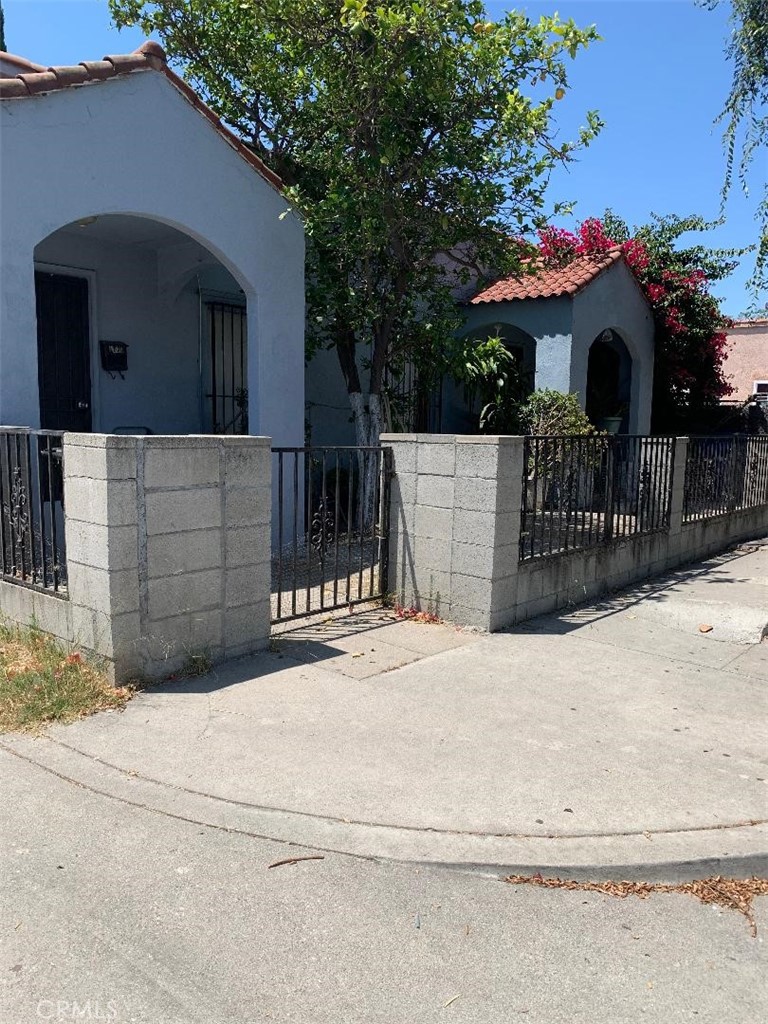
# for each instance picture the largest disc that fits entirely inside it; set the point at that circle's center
(658, 79)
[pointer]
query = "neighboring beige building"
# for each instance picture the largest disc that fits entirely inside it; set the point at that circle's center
(746, 365)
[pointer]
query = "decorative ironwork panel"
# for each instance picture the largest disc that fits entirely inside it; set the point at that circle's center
(32, 548)
(330, 532)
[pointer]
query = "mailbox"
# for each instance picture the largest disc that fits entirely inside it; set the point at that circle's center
(114, 357)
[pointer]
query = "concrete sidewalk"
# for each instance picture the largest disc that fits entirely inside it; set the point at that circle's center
(727, 595)
(597, 743)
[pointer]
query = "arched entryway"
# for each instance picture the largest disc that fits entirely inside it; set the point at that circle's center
(140, 328)
(609, 383)
(461, 407)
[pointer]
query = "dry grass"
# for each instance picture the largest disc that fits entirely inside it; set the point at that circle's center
(734, 893)
(42, 682)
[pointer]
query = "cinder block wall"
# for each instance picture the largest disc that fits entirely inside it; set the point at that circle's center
(455, 526)
(168, 551)
(454, 523)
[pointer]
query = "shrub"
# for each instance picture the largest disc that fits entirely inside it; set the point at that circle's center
(547, 412)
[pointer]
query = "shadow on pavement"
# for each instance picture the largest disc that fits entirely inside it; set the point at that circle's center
(567, 620)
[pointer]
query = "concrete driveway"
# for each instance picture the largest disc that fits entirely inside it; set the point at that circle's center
(598, 742)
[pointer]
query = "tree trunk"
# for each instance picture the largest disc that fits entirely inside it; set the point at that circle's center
(368, 420)
(368, 424)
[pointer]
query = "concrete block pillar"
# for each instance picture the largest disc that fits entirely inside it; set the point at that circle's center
(454, 525)
(168, 548)
(677, 491)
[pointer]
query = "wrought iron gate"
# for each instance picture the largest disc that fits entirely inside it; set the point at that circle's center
(330, 528)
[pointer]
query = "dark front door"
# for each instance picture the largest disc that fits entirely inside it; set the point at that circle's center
(63, 352)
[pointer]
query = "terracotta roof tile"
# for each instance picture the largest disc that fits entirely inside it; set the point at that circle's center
(123, 63)
(39, 81)
(20, 63)
(73, 75)
(98, 70)
(33, 79)
(10, 88)
(549, 282)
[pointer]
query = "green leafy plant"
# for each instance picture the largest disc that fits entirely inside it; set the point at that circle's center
(416, 139)
(547, 412)
(493, 377)
(745, 115)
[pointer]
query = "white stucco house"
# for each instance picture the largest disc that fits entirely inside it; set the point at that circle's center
(152, 272)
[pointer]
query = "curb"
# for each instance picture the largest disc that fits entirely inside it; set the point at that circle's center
(738, 850)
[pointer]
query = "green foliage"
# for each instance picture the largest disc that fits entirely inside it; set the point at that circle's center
(755, 313)
(2, 28)
(662, 237)
(416, 139)
(745, 114)
(493, 377)
(548, 412)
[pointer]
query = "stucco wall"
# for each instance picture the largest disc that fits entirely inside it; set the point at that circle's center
(134, 145)
(747, 359)
(565, 329)
(546, 320)
(614, 300)
(328, 412)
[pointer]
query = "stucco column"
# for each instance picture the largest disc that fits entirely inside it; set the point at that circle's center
(276, 355)
(19, 392)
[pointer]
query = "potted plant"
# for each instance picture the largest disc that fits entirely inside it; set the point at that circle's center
(612, 424)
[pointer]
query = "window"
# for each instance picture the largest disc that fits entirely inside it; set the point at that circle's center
(760, 390)
(227, 373)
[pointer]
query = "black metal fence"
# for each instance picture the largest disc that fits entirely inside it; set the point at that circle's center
(32, 509)
(330, 529)
(412, 405)
(579, 492)
(724, 474)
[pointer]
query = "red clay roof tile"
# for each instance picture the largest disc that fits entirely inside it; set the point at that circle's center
(10, 88)
(549, 282)
(20, 63)
(74, 75)
(99, 70)
(36, 80)
(39, 81)
(125, 62)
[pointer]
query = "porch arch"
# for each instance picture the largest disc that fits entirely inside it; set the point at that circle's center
(147, 279)
(609, 382)
(460, 410)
